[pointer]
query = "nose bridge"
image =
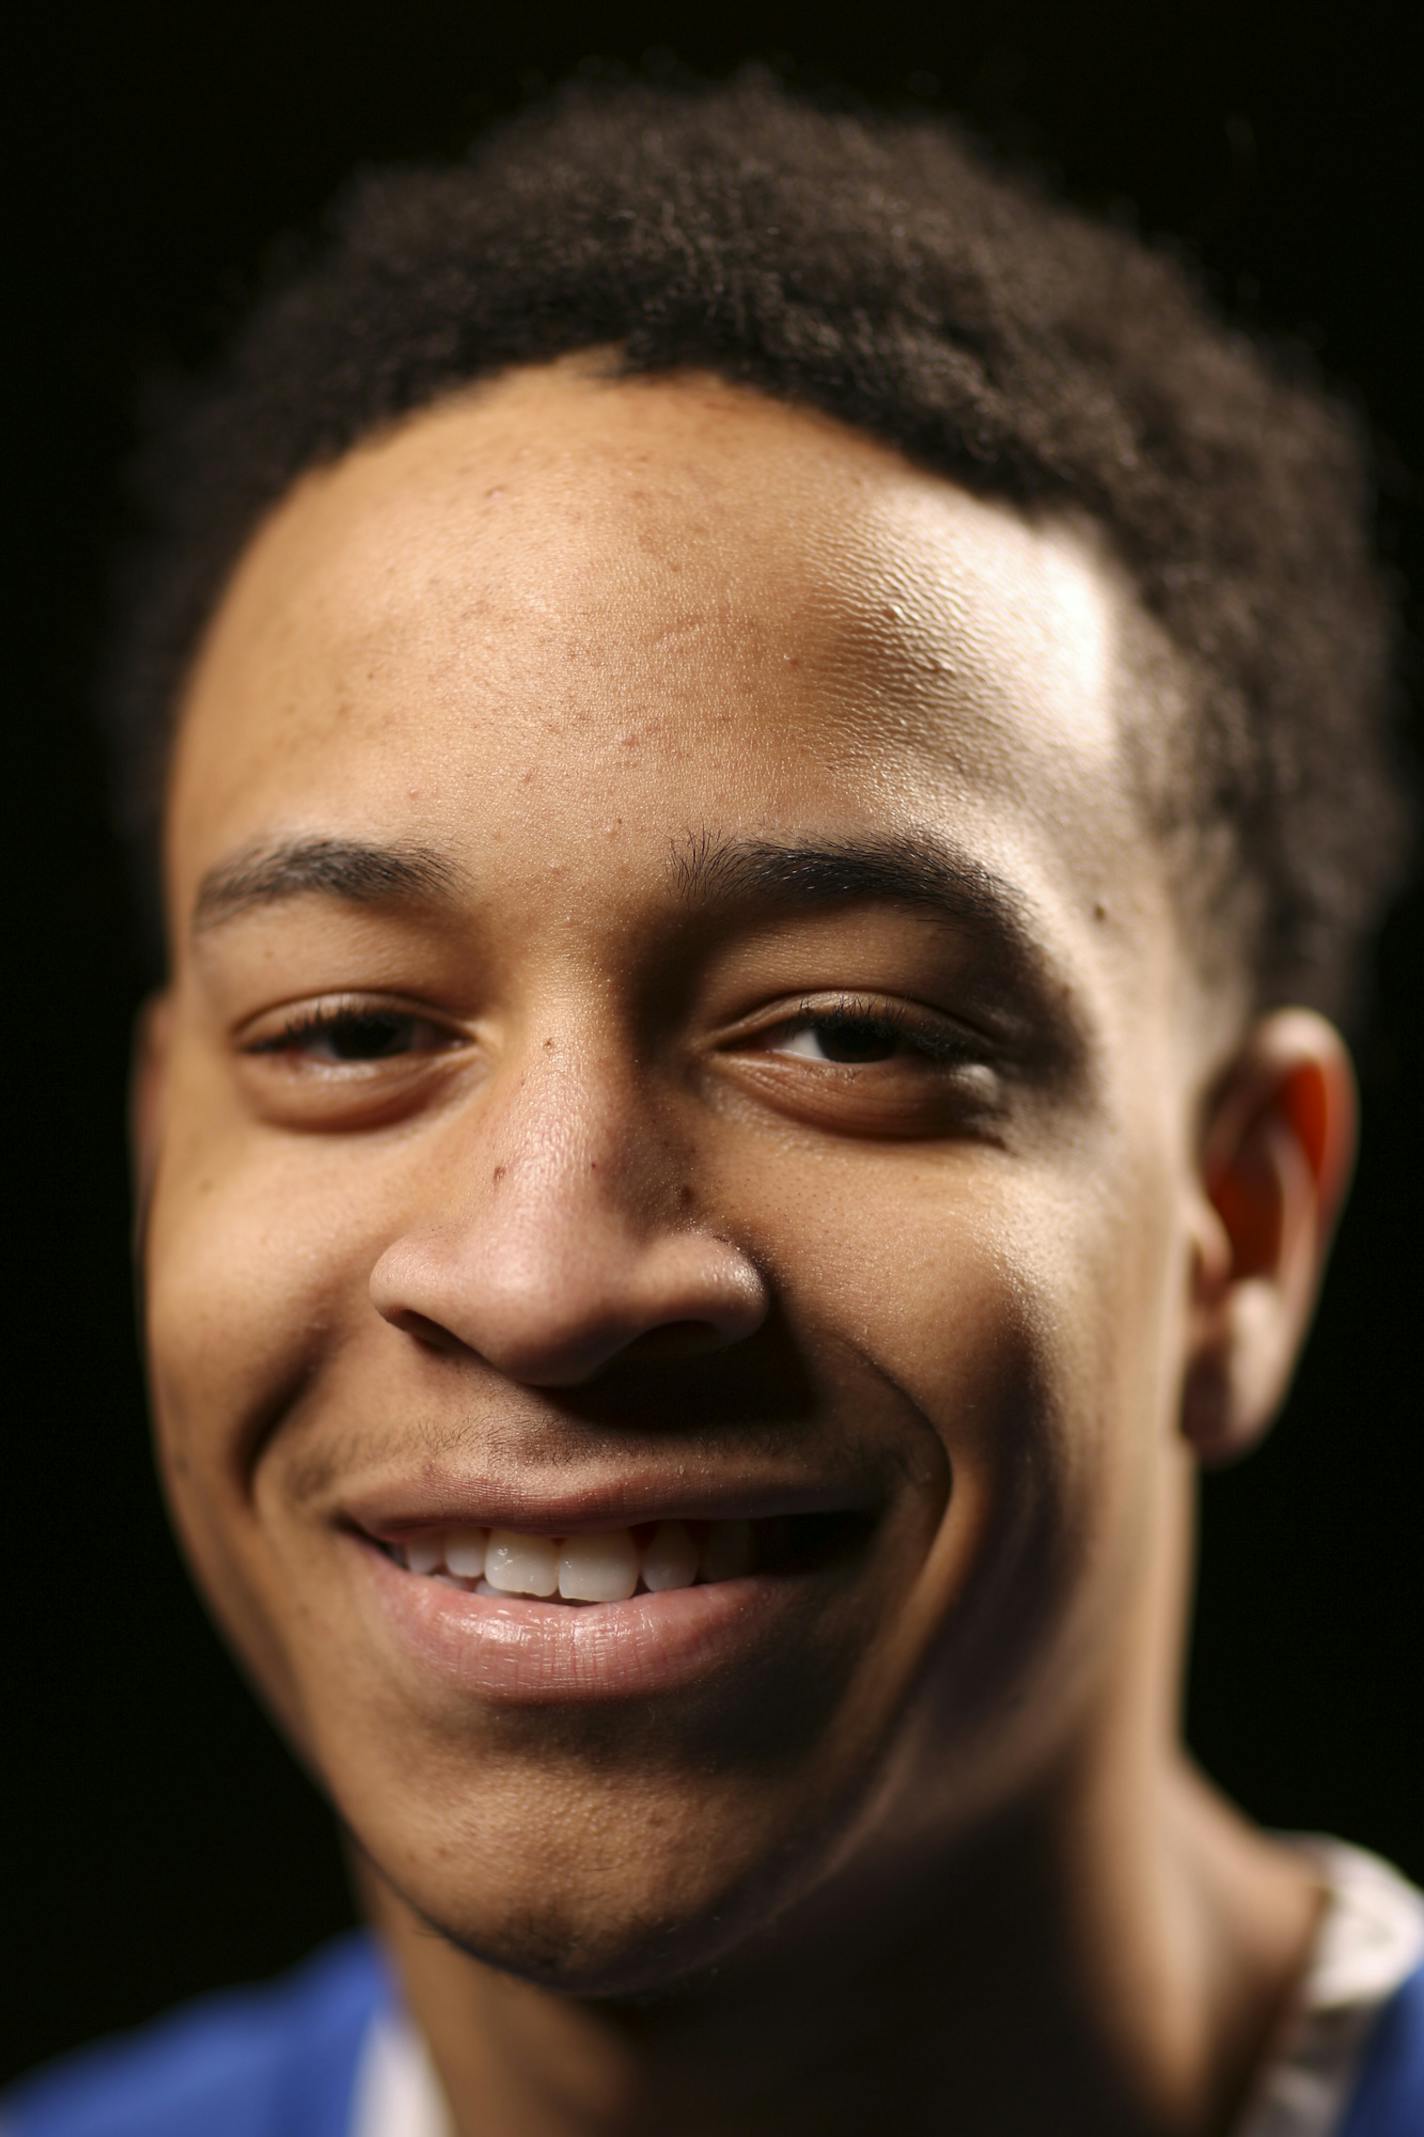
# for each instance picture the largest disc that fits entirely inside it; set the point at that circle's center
(576, 1128)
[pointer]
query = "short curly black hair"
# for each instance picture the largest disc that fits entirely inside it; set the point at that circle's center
(891, 272)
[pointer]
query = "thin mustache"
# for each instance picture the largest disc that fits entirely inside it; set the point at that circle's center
(509, 1453)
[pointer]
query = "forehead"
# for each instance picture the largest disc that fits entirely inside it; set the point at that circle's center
(577, 597)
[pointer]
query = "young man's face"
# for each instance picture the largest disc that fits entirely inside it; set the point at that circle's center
(765, 1094)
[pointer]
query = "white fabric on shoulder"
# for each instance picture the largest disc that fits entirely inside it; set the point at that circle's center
(397, 2093)
(1371, 1938)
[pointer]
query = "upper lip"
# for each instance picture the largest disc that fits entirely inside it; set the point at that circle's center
(391, 1509)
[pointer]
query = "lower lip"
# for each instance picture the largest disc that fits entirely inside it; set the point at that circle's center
(515, 1648)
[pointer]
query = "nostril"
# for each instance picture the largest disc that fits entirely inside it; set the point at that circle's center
(426, 1331)
(675, 1339)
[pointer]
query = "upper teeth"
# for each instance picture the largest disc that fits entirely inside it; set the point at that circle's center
(606, 1567)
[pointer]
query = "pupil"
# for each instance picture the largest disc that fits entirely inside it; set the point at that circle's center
(365, 1038)
(855, 1040)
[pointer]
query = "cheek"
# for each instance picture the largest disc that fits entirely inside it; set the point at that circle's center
(249, 1265)
(968, 1278)
(1021, 1320)
(257, 1243)
(1059, 1533)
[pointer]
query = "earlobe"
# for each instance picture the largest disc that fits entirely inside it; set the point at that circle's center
(1275, 1162)
(148, 1072)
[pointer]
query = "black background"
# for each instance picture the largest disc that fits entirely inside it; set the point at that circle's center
(158, 1839)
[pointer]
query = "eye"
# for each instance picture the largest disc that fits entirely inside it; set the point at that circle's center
(843, 1041)
(854, 1034)
(352, 1035)
(868, 1065)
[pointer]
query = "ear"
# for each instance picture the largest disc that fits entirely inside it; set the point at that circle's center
(1275, 1159)
(148, 1077)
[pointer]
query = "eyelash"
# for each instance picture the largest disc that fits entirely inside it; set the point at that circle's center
(940, 1047)
(337, 1017)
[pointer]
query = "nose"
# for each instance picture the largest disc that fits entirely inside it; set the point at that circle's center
(554, 1237)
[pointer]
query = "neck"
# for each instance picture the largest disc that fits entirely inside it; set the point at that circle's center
(1079, 1968)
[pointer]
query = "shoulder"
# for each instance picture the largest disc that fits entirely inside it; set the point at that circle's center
(247, 2063)
(1388, 2100)
(1363, 2022)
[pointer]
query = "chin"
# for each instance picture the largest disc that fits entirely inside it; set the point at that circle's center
(589, 1944)
(623, 1891)
(625, 1960)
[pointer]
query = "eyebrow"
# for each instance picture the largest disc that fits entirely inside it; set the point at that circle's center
(922, 872)
(271, 872)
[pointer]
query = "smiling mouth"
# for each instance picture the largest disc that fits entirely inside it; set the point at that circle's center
(577, 1609)
(613, 1565)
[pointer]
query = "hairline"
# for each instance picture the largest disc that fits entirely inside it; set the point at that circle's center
(1155, 681)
